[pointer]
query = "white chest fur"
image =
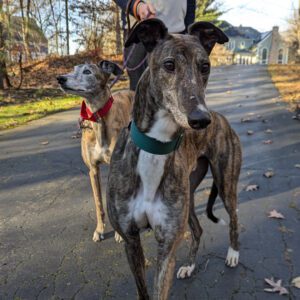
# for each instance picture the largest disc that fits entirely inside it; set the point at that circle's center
(148, 206)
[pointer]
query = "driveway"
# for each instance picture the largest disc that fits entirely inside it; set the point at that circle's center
(47, 214)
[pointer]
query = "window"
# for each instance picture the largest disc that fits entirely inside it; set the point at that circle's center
(264, 56)
(280, 56)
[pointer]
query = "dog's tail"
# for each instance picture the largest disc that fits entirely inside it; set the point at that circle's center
(209, 208)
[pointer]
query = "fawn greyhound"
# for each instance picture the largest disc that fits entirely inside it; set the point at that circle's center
(161, 158)
(104, 115)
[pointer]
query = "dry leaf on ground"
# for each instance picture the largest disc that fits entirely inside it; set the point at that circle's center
(252, 187)
(250, 132)
(44, 143)
(268, 142)
(269, 174)
(284, 229)
(275, 214)
(268, 131)
(275, 286)
(296, 282)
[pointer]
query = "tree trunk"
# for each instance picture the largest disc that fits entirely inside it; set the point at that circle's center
(56, 25)
(4, 80)
(67, 26)
(25, 22)
(118, 30)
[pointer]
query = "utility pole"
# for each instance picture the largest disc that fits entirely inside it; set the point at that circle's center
(67, 26)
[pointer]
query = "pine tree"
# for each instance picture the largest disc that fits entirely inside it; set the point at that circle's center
(208, 10)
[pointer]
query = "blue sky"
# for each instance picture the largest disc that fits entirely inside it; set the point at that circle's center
(260, 14)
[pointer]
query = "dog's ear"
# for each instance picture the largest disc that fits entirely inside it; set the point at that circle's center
(208, 34)
(110, 67)
(149, 32)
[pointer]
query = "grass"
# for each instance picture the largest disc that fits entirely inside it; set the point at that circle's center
(287, 80)
(17, 114)
(14, 111)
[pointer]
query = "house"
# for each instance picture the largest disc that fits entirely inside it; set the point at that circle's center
(250, 46)
(272, 48)
(38, 43)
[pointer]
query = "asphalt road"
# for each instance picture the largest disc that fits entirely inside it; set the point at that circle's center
(47, 214)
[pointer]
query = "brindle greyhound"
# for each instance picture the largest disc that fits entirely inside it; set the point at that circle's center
(104, 120)
(157, 191)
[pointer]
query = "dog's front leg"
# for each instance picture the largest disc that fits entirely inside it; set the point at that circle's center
(136, 260)
(167, 245)
(95, 181)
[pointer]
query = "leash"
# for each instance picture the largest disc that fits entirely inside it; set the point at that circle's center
(125, 66)
(126, 59)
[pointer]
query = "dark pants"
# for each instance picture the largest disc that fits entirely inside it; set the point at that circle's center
(137, 56)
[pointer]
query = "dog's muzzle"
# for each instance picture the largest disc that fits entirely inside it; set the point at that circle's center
(199, 119)
(61, 79)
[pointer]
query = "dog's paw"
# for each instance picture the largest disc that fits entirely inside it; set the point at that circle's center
(118, 238)
(185, 271)
(232, 258)
(97, 237)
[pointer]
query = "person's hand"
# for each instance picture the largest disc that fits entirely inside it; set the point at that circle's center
(145, 11)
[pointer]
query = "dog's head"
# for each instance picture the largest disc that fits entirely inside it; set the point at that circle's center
(89, 80)
(179, 67)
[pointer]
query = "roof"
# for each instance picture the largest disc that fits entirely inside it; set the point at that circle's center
(36, 35)
(240, 31)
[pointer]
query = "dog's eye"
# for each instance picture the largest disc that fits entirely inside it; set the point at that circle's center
(87, 72)
(169, 65)
(205, 68)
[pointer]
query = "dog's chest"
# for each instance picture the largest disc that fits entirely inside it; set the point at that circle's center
(147, 207)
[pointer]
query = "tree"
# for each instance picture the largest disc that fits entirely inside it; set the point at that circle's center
(67, 26)
(293, 35)
(4, 80)
(208, 10)
(92, 18)
(25, 12)
(118, 30)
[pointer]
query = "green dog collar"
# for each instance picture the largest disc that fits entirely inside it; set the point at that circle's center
(152, 145)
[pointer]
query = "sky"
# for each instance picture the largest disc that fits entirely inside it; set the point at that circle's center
(259, 14)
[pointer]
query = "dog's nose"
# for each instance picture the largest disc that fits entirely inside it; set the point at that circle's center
(61, 79)
(199, 119)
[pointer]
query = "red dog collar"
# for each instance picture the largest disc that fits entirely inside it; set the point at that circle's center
(86, 114)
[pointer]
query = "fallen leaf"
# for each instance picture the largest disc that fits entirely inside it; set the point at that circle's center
(147, 263)
(268, 131)
(296, 282)
(284, 229)
(253, 187)
(246, 119)
(250, 132)
(44, 143)
(269, 174)
(275, 214)
(268, 142)
(229, 92)
(276, 286)
(187, 235)
(297, 166)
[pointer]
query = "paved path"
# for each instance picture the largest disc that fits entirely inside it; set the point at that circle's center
(47, 213)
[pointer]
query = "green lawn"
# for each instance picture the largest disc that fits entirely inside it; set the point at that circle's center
(17, 114)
